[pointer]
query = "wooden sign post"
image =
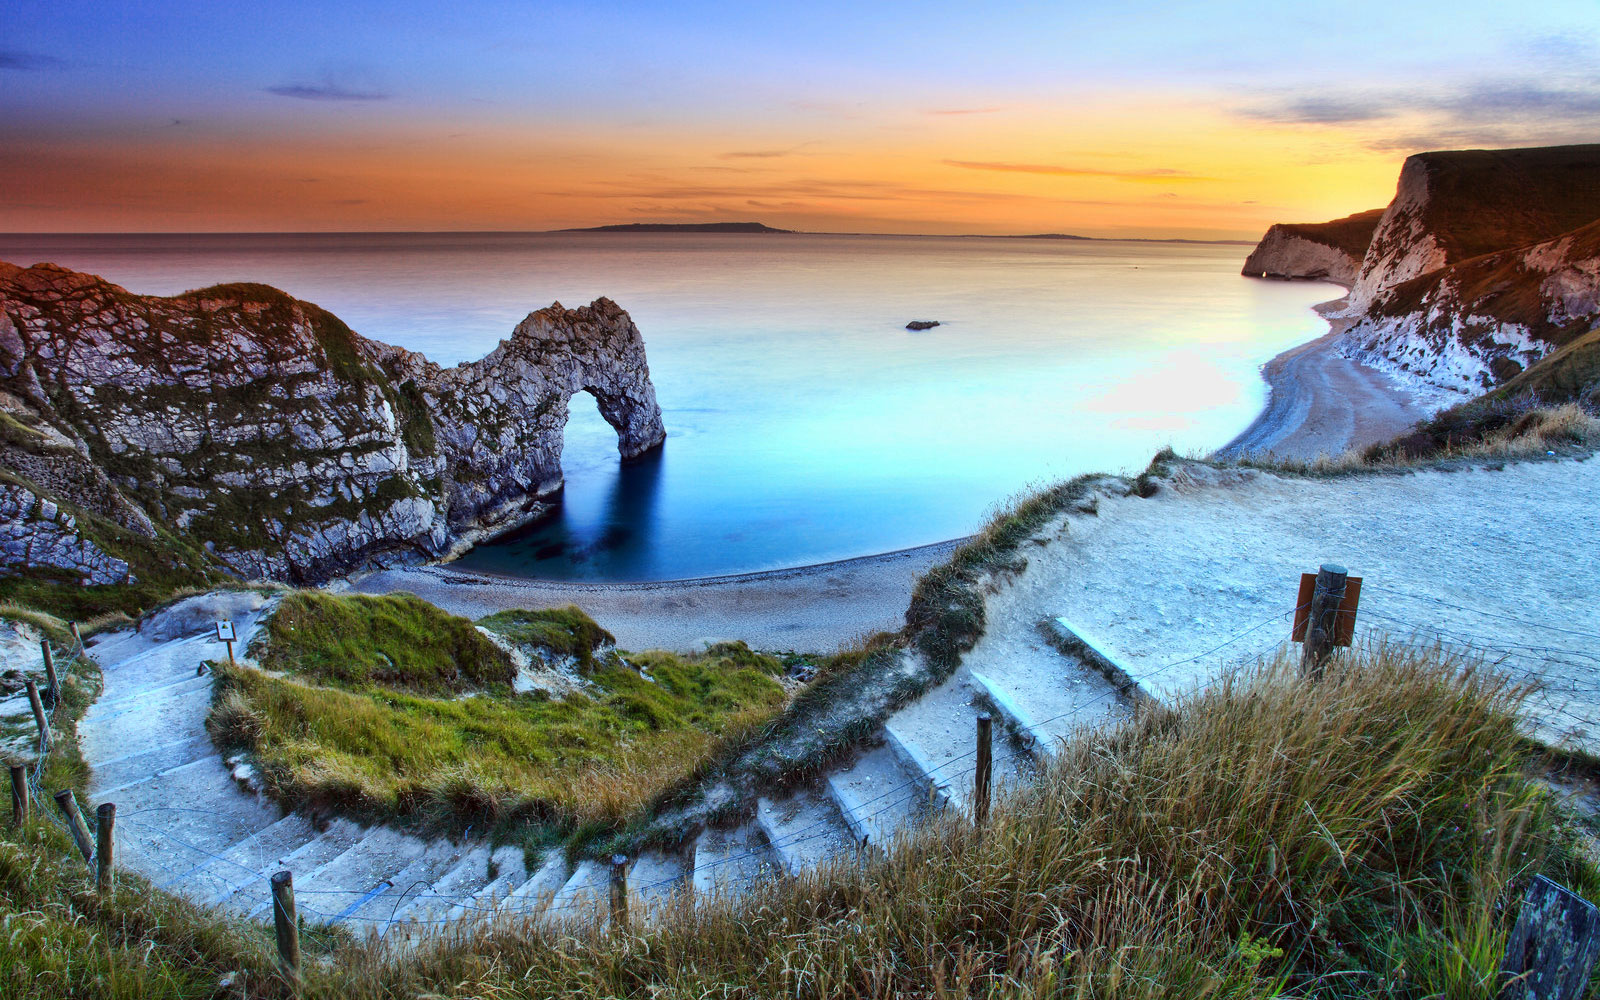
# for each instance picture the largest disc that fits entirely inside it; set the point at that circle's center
(225, 633)
(1553, 946)
(1325, 614)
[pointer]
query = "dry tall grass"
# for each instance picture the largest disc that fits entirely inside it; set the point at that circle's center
(1536, 432)
(1361, 837)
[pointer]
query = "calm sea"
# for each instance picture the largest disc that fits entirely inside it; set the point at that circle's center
(805, 423)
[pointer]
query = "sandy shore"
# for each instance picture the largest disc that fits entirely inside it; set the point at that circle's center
(1322, 404)
(808, 608)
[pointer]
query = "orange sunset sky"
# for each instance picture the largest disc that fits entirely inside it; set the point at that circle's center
(1205, 121)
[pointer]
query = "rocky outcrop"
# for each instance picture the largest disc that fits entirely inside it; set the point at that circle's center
(289, 446)
(1485, 261)
(1326, 251)
(36, 532)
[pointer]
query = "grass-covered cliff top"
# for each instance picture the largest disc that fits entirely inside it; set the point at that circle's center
(1350, 234)
(388, 709)
(1483, 200)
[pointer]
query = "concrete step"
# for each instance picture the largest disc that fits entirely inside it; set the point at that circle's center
(803, 829)
(340, 836)
(727, 860)
(172, 822)
(657, 881)
(877, 797)
(250, 862)
(127, 770)
(117, 732)
(935, 738)
(452, 888)
(1056, 707)
(131, 663)
(409, 885)
(585, 895)
(349, 881)
(538, 888)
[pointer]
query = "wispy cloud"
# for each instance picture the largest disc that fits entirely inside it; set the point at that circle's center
(765, 154)
(327, 90)
(1482, 112)
(1159, 174)
(14, 59)
(1321, 110)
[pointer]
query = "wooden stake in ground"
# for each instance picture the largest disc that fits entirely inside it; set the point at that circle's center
(1326, 598)
(981, 778)
(619, 892)
(75, 824)
(106, 822)
(1552, 948)
(19, 794)
(50, 671)
(38, 714)
(77, 635)
(287, 928)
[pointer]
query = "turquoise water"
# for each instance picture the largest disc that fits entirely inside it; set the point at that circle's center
(805, 423)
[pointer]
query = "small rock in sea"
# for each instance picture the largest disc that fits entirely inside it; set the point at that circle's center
(922, 324)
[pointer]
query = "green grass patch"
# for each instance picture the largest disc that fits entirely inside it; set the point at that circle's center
(399, 642)
(369, 719)
(553, 633)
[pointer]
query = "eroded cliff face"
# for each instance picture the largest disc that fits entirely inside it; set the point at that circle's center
(265, 430)
(1328, 251)
(1484, 262)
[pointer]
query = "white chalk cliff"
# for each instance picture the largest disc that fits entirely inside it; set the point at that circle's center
(265, 431)
(1485, 262)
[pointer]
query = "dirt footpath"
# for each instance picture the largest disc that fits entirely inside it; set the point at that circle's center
(1205, 574)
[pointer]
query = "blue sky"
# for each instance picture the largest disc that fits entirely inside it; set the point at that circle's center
(843, 100)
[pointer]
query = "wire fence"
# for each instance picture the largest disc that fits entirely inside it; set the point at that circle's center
(436, 890)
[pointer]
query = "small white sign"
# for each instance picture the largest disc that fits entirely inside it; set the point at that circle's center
(225, 631)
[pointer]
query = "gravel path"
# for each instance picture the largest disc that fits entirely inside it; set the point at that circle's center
(1205, 573)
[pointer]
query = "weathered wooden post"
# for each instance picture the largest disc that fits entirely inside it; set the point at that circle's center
(287, 928)
(75, 824)
(104, 853)
(1553, 946)
(1326, 599)
(619, 892)
(981, 779)
(38, 714)
(19, 794)
(77, 634)
(50, 671)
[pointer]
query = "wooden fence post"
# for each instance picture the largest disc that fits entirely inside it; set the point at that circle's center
(619, 892)
(19, 794)
(106, 822)
(38, 714)
(1553, 946)
(1325, 601)
(77, 634)
(981, 778)
(287, 927)
(50, 671)
(75, 824)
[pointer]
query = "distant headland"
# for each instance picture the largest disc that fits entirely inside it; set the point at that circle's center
(680, 227)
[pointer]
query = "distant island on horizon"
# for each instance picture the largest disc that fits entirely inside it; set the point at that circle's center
(679, 227)
(761, 227)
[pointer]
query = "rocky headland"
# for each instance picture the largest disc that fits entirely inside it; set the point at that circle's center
(238, 428)
(1485, 263)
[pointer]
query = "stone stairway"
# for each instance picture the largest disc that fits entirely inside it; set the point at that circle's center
(186, 823)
